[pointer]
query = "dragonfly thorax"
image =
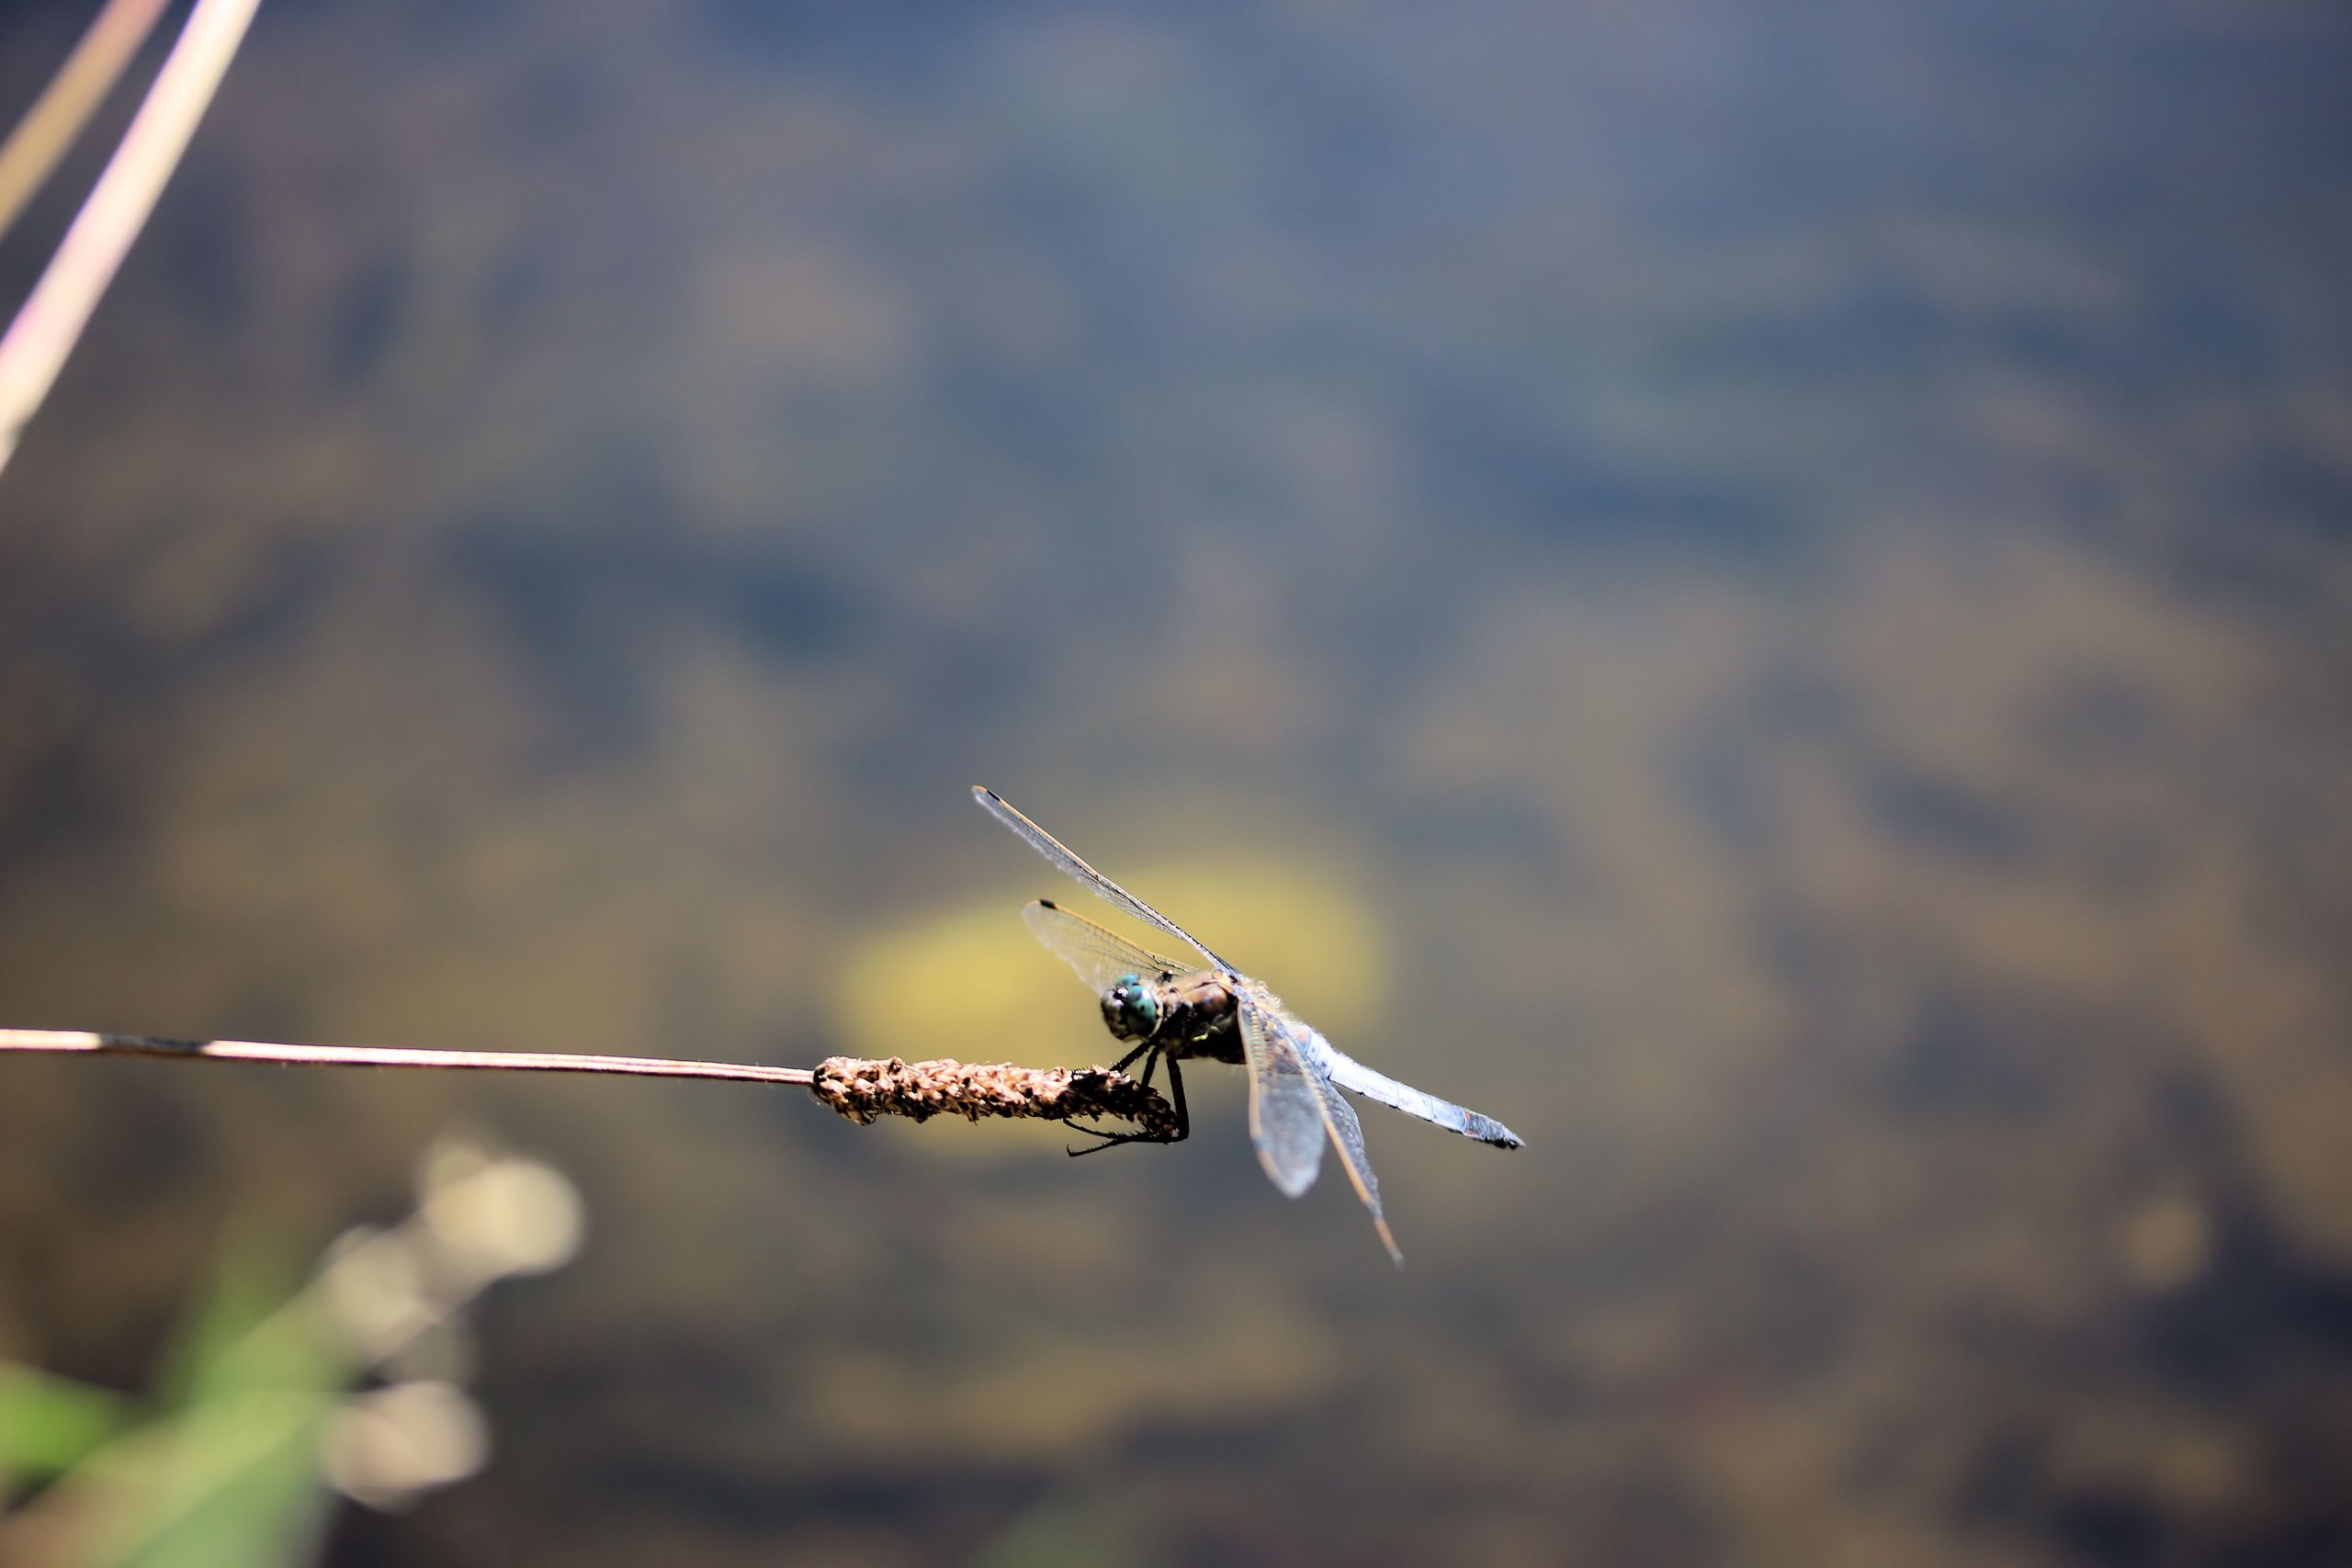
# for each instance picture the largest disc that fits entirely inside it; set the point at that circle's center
(1186, 1015)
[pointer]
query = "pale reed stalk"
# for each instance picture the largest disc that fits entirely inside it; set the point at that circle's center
(64, 107)
(46, 329)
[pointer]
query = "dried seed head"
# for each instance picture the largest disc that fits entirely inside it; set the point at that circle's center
(862, 1090)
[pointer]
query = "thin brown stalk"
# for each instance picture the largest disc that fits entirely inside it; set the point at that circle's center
(860, 1089)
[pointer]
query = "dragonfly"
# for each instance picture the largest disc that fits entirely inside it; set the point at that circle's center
(1176, 1010)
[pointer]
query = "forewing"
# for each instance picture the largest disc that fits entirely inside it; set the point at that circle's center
(1285, 1110)
(1102, 956)
(1054, 850)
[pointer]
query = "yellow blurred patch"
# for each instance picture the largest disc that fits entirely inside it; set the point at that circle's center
(972, 983)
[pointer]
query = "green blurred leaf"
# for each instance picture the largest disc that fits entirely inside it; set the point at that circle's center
(1064, 1532)
(209, 1354)
(228, 1475)
(49, 1424)
(238, 1486)
(230, 1478)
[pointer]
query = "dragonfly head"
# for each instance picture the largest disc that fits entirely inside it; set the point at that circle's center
(1132, 1007)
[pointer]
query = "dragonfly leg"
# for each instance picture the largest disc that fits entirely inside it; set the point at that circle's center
(1175, 1084)
(1112, 1140)
(1176, 1095)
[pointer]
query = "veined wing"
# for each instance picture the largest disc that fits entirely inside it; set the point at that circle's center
(1348, 1073)
(1293, 1105)
(1285, 1115)
(1339, 1120)
(1102, 956)
(1053, 849)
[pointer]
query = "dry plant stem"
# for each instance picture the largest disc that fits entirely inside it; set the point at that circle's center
(45, 330)
(861, 1090)
(66, 105)
(77, 1043)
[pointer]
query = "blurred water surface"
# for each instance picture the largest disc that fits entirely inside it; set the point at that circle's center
(1765, 592)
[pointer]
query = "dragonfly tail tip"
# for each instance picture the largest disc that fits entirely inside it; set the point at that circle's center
(1491, 1131)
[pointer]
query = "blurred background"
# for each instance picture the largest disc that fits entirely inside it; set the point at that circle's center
(1765, 595)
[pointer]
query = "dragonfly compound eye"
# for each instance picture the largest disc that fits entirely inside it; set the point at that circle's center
(1131, 1008)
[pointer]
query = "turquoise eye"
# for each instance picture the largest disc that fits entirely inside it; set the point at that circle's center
(1131, 1008)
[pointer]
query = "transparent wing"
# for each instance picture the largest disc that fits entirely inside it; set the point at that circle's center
(1053, 849)
(1340, 1120)
(1286, 1112)
(1102, 956)
(1339, 1117)
(1348, 1073)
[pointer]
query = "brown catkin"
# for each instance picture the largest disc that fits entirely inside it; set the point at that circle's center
(862, 1090)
